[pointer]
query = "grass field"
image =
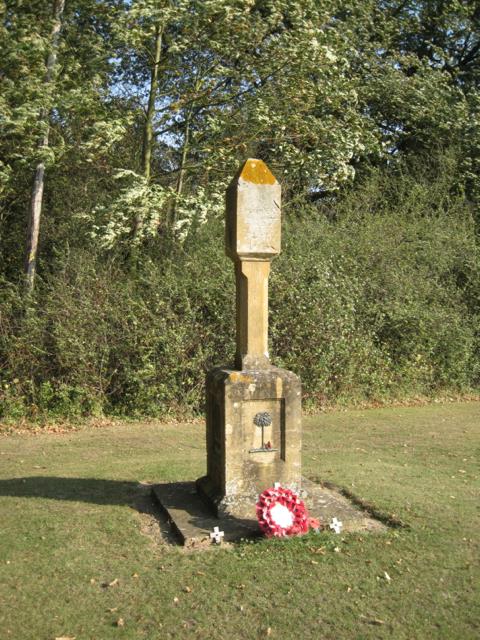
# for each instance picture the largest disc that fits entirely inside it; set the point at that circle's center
(79, 559)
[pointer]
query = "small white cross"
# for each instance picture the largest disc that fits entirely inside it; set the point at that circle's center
(336, 525)
(217, 535)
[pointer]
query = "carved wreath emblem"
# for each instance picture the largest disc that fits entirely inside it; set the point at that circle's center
(262, 419)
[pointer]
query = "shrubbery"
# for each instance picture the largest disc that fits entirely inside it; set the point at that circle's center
(376, 297)
(384, 299)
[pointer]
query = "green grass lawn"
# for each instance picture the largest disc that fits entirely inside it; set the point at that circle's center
(77, 559)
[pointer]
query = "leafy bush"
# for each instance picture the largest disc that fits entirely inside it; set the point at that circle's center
(377, 299)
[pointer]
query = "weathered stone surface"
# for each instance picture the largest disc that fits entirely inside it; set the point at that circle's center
(253, 218)
(244, 458)
(253, 231)
(252, 314)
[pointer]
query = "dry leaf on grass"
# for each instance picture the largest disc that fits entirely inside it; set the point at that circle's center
(120, 622)
(320, 550)
(113, 583)
(375, 621)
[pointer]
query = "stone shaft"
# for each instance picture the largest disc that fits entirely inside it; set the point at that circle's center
(253, 227)
(252, 313)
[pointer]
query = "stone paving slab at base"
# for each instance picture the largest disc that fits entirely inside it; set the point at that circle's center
(193, 521)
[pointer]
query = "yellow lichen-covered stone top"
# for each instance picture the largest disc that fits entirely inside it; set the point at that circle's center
(253, 216)
(257, 172)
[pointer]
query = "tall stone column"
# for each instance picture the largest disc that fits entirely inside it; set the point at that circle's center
(253, 411)
(252, 313)
(253, 229)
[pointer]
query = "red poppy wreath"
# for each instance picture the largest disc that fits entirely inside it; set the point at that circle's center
(281, 513)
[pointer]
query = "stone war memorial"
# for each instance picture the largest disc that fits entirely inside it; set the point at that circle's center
(253, 430)
(254, 410)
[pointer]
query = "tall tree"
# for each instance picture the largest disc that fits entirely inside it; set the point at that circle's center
(39, 178)
(148, 135)
(236, 78)
(57, 118)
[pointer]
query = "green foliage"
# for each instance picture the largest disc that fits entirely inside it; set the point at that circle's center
(102, 338)
(375, 306)
(377, 299)
(368, 114)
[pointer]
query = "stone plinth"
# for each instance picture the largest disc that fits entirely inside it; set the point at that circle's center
(193, 522)
(253, 436)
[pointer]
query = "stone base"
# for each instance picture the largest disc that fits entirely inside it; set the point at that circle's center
(253, 434)
(193, 521)
(237, 506)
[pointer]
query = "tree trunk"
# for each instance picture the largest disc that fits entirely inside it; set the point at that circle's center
(182, 170)
(39, 178)
(148, 137)
(148, 132)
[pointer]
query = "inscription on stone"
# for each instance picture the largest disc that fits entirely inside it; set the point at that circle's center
(258, 229)
(253, 213)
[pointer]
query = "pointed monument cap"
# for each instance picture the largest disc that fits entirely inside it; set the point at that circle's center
(256, 172)
(253, 219)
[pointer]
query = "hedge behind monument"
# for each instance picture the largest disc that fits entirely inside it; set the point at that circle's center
(375, 297)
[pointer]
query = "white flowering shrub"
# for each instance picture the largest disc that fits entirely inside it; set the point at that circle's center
(141, 209)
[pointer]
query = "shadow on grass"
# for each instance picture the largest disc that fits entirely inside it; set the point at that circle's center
(93, 490)
(136, 495)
